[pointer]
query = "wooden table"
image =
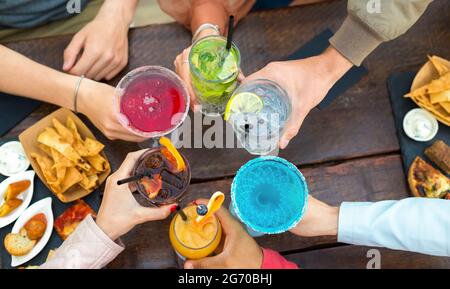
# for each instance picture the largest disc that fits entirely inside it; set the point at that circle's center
(347, 152)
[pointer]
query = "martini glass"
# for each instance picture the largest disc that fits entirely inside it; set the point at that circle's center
(269, 195)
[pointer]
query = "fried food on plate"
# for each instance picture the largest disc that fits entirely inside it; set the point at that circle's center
(18, 244)
(9, 205)
(93, 147)
(67, 222)
(46, 166)
(439, 153)
(68, 161)
(98, 162)
(51, 138)
(439, 64)
(426, 181)
(15, 189)
(36, 226)
(435, 96)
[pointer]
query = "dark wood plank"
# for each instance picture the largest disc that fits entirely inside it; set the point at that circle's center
(357, 124)
(369, 179)
(356, 257)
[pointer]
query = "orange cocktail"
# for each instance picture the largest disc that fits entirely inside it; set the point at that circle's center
(192, 239)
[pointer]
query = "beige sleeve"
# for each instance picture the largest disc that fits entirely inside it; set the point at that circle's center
(88, 247)
(181, 10)
(371, 22)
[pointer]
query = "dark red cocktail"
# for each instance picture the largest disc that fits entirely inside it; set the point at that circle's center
(151, 101)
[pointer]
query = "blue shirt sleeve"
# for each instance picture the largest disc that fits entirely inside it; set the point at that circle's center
(415, 224)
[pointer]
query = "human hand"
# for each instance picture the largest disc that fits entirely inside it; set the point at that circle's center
(320, 219)
(100, 49)
(119, 211)
(240, 250)
(95, 100)
(306, 81)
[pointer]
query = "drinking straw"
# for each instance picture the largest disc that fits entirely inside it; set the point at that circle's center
(166, 174)
(230, 32)
(131, 179)
(182, 214)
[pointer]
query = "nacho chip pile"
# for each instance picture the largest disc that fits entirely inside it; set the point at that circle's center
(68, 161)
(435, 96)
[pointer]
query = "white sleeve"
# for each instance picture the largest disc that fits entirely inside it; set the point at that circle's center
(415, 224)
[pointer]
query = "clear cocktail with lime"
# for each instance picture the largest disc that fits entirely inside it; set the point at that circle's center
(214, 71)
(258, 112)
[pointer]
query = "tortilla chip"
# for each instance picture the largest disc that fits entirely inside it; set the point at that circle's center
(46, 164)
(60, 160)
(47, 150)
(98, 162)
(50, 138)
(78, 143)
(84, 165)
(71, 178)
(88, 182)
(66, 134)
(440, 97)
(94, 147)
(439, 85)
(439, 65)
(446, 106)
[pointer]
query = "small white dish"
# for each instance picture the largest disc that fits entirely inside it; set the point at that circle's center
(13, 159)
(43, 206)
(420, 125)
(25, 196)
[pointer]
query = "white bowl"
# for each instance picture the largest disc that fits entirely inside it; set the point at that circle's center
(25, 196)
(420, 113)
(43, 206)
(22, 166)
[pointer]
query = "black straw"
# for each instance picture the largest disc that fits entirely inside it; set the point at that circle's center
(182, 214)
(130, 179)
(230, 32)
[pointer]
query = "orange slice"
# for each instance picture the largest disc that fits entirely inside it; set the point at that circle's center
(172, 154)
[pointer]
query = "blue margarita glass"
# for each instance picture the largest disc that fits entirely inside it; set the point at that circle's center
(269, 195)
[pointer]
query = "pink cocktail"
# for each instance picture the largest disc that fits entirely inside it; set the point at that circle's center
(151, 101)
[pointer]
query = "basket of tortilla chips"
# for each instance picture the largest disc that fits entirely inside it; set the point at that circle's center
(65, 155)
(431, 88)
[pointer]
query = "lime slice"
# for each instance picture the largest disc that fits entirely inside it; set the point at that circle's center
(229, 67)
(244, 102)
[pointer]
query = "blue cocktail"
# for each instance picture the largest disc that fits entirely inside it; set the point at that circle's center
(269, 195)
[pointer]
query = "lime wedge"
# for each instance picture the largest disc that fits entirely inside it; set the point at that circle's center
(229, 67)
(244, 102)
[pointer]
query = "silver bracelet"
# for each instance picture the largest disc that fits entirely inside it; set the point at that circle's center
(203, 27)
(75, 97)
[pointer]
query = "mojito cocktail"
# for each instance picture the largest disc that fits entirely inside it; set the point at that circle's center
(214, 71)
(258, 112)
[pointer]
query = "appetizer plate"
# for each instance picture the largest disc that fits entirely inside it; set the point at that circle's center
(25, 196)
(43, 206)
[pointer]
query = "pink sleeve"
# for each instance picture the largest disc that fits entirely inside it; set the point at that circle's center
(88, 247)
(273, 260)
